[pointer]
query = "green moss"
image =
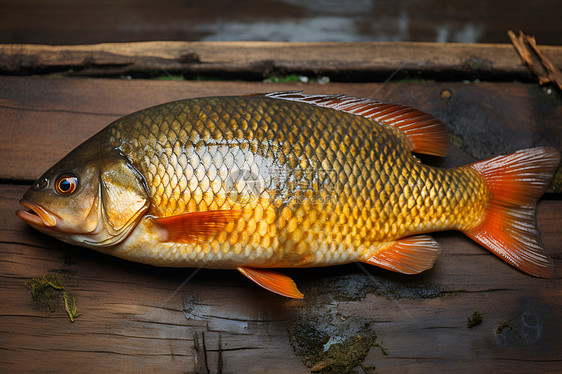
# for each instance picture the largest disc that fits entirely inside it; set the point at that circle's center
(332, 344)
(285, 78)
(455, 139)
(49, 290)
(343, 357)
(307, 339)
(475, 320)
(381, 348)
(556, 184)
(502, 326)
(45, 289)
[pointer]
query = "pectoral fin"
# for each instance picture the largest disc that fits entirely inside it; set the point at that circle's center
(272, 281)
(195, 227)
(410, 255)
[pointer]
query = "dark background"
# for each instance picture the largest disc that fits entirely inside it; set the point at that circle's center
(95, 21)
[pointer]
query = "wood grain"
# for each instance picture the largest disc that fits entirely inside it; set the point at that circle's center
(136, 318)
(49, 117)
(143, 319)
(256, 60)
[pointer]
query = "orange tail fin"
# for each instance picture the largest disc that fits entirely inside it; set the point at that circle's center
(516, 182)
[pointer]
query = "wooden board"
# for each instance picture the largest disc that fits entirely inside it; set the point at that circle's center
(483, 119)
(141, 318)
(256, 60)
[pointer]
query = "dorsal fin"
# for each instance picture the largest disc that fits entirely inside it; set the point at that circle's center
(426, 133)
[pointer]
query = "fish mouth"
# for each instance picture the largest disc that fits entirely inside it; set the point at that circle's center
(37, 215)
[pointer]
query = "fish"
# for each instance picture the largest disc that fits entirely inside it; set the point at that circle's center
(287, 180)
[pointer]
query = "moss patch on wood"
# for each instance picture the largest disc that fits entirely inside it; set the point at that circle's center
(332, 344)
(49, 290)
(502, 326)
(474, 320)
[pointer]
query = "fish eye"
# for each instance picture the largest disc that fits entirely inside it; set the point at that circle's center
(66, 184)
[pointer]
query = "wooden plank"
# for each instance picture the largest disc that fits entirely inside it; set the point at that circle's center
(141, 318)
(52, 116)
(352, 61)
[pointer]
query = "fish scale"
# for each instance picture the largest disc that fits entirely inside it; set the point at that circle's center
(342, 182)
(287, 180)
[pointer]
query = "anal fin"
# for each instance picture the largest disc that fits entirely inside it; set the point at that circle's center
(410, 255)
(272, 281)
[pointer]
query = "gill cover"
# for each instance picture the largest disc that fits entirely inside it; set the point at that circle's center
(123, 200)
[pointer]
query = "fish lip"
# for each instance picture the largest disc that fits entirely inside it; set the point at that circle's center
(38, 216)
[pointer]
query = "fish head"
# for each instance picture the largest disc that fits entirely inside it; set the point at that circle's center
(92, 201)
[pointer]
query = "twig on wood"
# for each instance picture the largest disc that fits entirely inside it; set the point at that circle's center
(539, 64)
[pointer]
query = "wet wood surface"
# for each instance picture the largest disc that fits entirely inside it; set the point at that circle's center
(143, 319)
(95, 21)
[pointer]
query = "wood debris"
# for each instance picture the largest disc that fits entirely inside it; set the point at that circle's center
(529, 52)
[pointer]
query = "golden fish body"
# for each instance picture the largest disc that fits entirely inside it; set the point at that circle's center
(279, 180)
(315, 186)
